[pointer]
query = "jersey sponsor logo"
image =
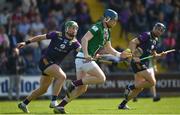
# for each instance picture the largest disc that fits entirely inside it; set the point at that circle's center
(62, 46)
(152, 47)
(95, 28)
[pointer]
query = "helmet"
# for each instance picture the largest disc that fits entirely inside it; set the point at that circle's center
(111, 14)
(69, 24)
(158, 24)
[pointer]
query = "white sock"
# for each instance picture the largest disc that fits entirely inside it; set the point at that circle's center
(54, 102)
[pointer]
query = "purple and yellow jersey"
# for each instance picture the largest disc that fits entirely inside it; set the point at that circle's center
(148, 44)
(59, 47)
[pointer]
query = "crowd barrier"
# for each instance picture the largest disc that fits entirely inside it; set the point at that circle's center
(114, 85)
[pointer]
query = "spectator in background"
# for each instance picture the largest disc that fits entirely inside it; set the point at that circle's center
(68, 6)
(51, 21)
(24, 26)
(161, 18)
(4, 17)
(4, 40)
(3, 61)
(84, 19)
(169, 43)
(27, 5)
(167, 9)
(32, 13)
(43, 7)
(124, 17)
(37, 26)
(17, 15)
(16, 63)
(4, 45)
(56, 5)
(140, 19)
(153, 11)
(73, 14)
(116, 5)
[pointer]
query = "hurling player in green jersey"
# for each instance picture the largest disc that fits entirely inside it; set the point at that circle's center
(88, 72)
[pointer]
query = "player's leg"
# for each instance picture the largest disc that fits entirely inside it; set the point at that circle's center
(45, 81)
(154, 94)
(55, 71)
(82, 88)
(74, 94)
(153, 89)
(146, 79)
(96, 75)
(147, 83)
(131, 93)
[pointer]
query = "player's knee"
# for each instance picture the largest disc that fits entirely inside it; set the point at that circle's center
(153, 82)
(62, 77)
(102, 79)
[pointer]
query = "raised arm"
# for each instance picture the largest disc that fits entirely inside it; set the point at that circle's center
(33, 39)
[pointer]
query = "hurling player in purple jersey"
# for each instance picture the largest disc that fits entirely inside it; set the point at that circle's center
(144, 75)
(58, 48)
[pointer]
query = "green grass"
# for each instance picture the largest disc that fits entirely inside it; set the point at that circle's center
(99, 106)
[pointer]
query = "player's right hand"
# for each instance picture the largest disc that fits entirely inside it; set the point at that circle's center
(21, 45)
(88, 58)
(136, 59)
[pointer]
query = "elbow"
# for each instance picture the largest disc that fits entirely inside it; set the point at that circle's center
(132, 43)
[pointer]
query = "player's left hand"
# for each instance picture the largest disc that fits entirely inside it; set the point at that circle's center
(163, 54)
(21, 45)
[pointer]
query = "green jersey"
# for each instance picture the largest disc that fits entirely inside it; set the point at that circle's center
(100, 36)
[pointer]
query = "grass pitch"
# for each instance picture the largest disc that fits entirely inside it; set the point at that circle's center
(106, 106)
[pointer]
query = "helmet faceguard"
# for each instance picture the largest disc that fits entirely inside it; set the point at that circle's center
(69, 24)
(161, 26)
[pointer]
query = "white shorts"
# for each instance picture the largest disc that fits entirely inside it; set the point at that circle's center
(81, 65)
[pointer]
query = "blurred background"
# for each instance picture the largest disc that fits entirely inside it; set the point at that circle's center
(22, 19)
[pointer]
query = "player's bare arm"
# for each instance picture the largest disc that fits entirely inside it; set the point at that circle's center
(132, 46)
(33, 39)
(109, 49)
(84, 41)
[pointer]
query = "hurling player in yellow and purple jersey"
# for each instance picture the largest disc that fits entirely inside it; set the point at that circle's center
(59, 47)
(144, 75)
